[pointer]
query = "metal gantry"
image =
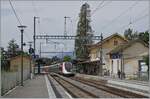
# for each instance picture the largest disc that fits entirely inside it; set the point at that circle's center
(63, 37)
(72, 37)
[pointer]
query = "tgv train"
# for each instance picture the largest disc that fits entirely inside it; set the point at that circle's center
(64, 68)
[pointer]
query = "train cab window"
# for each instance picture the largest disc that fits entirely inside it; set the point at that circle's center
(68, 66)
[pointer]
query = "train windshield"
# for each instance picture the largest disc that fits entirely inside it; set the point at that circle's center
(68, 66)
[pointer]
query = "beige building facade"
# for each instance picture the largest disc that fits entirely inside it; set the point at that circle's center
(128, 58)
(92, 65)
(15, 65)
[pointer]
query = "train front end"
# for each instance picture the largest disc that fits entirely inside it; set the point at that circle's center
(67, 69)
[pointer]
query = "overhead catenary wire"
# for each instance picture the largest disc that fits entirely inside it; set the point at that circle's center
(137, 19)
(134, 21)
(97, 7)
(100, 6)
(121, 14)
(17, 17)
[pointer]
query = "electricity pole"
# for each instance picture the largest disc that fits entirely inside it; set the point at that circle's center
(22, 30)
(101, 57)
(34, 34)
(40, 48)
(65, 30)
(30, 47)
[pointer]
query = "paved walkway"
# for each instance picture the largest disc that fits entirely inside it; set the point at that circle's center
(35, 88)
(145, 83)
(132, 85)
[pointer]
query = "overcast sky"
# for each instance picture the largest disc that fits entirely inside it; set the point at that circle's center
(52, 14)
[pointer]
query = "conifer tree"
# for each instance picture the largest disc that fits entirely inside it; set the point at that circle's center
(84, 33)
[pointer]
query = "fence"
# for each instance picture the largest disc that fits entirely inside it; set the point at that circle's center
(10, 79)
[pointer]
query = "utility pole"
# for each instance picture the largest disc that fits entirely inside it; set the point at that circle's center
(65, 29)
(34, 34)
(122, 65)
(22, 30)
(30, 47)
(40, 48)
(101, 57)
(65, 23)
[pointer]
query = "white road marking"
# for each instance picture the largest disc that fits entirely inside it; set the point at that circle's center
(68, 95)
(10, 91)
(49, 88)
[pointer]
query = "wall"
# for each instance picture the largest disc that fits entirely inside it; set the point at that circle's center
(107, 47)
(12, 77)
(131, 57)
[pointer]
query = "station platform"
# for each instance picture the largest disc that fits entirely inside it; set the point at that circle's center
(38, 87)
(140, 87)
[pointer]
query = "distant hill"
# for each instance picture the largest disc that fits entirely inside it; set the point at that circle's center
(71, 54)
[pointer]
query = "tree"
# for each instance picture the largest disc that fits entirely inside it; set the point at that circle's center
(4, 61)
(144, 36)
(130, 35)
(12, 48)
(55, 59)
(84, 32)
(146, 59)
(67, 58)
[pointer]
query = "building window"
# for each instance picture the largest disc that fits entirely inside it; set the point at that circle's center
(115, 42)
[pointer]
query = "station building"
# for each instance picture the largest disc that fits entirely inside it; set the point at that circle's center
(118, 54)
(92, 66)
(128, 58)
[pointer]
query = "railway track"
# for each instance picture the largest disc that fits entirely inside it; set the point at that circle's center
(73, 90)
(102, 86)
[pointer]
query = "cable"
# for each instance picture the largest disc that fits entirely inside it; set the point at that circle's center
(99, 6)
(136, 20)
(15, 12)
(17, 17)
(116, 18)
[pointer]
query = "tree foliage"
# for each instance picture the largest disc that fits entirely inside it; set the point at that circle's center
(146, 59)
(131, 35)
(84, 32)
(55, 59)
(144, 36)
(67, 59)
(13, 48)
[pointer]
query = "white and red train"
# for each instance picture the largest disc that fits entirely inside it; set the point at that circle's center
(64, 68)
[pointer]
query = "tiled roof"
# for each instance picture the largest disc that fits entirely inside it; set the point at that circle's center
(108, 38)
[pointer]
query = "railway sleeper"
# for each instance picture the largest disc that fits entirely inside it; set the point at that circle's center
(90, 89)
(75, 91)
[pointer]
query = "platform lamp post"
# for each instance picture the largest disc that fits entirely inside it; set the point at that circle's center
(21, 27)
(31, 51)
